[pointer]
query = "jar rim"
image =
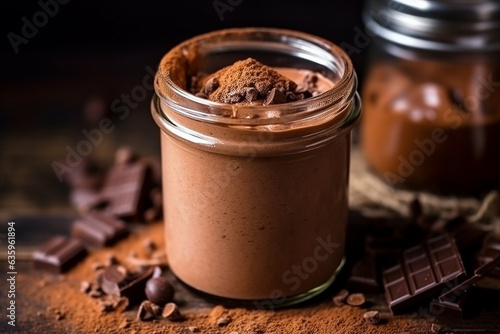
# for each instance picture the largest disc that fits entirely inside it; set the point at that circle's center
(444, 26)
(168, 83)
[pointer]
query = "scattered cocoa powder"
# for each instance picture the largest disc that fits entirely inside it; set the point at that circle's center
(80, 313)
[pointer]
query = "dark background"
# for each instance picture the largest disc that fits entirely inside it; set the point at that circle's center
(97, 50)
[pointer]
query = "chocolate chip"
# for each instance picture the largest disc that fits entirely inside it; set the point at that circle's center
(171, 312)
(263, 87)
(372, 317)
(251, 94)
(340, 297)
(233, 97)
(159, 290)
(302, 88)
(147, 311)
(211, 85)
(356, 299)
(275, 97)
(290, 96)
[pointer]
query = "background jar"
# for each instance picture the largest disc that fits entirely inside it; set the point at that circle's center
(252, 192)
(432, 95)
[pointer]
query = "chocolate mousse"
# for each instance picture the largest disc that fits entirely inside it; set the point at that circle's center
(250, 227)
(255, 161)
(433, 126)
(249, 81)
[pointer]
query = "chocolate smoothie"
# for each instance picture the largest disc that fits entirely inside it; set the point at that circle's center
(433, 126)
(255, 194)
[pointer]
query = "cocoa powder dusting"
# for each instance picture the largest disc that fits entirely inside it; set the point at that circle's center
(245, 80)
(61, 298)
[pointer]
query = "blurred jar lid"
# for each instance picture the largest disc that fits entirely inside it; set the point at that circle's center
(441, 25)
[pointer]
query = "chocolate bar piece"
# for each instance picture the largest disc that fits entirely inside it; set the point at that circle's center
(489, 250)
(455, 301)
(59, 254)
(117, 282)
(126, 190)
(364, 275)
(423, 270)
(99, 230)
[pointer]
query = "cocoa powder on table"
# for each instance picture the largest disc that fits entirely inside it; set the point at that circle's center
(61, 306)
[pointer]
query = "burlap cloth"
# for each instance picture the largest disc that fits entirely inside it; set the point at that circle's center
(373, 197)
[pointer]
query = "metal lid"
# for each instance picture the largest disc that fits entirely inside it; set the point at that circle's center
(441, 25)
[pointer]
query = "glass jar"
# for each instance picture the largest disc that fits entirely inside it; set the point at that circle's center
(432, 95)
(255, 197)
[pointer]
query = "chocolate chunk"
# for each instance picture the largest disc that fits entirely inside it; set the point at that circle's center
(423, 270)
(84, 199)
(211, 85)
(356, 299)
(233, 97)
(490, 250)
(453, 302)
(59, 254)
(117, 282)
(364, 275)
(126, 189)
(112, 278)
(147, 311)
(171, 312)
(159, 290)
(456, 301)
(372, 317)
(291, 96)
(99, 230)
(275, 97)
(251, 94)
